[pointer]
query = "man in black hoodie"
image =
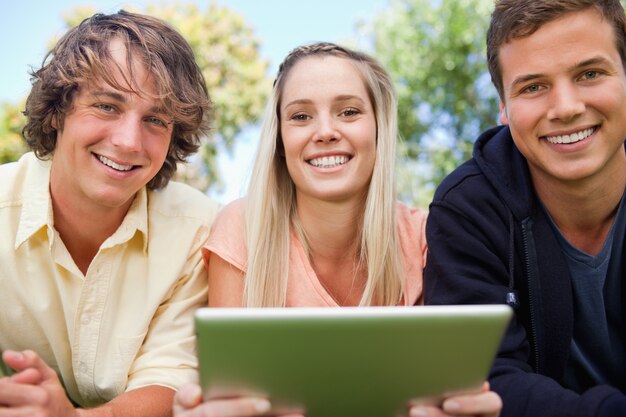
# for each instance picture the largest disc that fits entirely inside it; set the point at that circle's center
(537, 217)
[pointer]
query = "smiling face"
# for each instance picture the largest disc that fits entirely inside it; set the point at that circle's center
(565, 99)
(111, 143)
(328, 129)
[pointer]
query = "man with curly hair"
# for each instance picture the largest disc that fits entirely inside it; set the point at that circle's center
(100, 252)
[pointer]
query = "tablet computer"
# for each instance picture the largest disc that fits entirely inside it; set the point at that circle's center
(347, 361)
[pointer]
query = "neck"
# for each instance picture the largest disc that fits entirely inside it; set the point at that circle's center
(331, 228)
(83, 227)
(584, 210)
(333, 237)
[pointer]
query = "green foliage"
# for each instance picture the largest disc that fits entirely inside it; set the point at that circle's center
(228, 54)
(435, 50)
(11, 143)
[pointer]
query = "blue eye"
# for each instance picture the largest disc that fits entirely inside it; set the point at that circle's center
(107, 108)
(590, 75)
(156, 121)
(532, 88)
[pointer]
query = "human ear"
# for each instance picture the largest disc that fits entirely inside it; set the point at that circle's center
(504, 118)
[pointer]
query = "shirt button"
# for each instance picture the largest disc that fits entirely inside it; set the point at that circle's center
(82, 367)
(85, 319)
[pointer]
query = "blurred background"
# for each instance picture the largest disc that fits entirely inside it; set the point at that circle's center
(434, 50)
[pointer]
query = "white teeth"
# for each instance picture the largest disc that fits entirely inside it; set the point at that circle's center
(329, 161)
(108, 162)
(574, 137)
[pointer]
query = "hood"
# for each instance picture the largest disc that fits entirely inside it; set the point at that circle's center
(506, 169)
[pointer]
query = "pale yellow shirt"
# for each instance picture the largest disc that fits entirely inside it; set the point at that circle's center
(126, 324)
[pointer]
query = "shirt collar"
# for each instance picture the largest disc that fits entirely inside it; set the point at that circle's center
(37, 205)
(136, 220)
(37, 210)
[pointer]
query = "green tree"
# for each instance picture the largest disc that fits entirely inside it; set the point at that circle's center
(236, 76)
(227, 51)
(11, 122)
(435, 50)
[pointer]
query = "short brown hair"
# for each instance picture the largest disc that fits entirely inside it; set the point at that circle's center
(82, 54)
(513, 19)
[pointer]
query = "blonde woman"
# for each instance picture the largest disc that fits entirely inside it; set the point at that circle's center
(320, 225)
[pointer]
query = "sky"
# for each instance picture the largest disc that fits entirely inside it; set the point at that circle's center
(26, 28)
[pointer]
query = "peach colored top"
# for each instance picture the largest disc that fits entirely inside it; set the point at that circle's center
(227, 240)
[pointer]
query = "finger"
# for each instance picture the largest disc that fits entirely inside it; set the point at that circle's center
(27, 376)
(25, 359)
(20, 412)
(486, 404)
(13, 359)
(235, 407)
(15, 394)
(425, 411)
(187, 397)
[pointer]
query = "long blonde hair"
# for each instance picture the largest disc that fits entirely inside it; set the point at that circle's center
(270, 211)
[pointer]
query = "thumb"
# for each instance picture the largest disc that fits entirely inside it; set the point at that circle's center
(188, 396)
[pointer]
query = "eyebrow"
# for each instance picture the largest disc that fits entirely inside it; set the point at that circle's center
(598, 60)
(343, 97)
(348, 97)
(110, 94)
(114, 95)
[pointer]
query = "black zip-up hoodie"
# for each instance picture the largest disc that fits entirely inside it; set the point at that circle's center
(490, 242)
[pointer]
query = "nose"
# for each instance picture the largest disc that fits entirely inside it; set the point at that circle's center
(128, 133)
(566, 102)
(327, 130)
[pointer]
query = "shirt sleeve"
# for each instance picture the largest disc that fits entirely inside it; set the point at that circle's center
(412, 235)
(167, 356)
(227, 238)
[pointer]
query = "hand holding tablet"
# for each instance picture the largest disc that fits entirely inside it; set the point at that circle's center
(347, 361)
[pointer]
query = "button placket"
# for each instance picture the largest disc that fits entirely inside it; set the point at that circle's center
(89, 314)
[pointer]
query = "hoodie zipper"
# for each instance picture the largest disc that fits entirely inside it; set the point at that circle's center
(531, 306)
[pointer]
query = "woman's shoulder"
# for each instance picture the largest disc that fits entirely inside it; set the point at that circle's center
(229, 214)
(412, 236)
(227, 237)
(412, 217)
(412, 227)
(229, 223)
